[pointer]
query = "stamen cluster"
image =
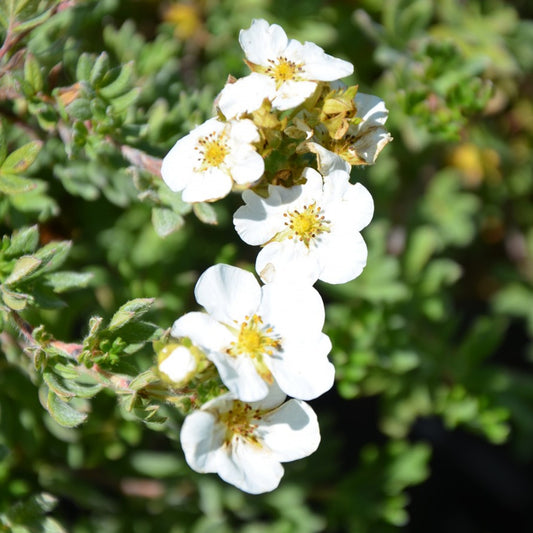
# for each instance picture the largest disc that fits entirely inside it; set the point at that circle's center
(264, 342)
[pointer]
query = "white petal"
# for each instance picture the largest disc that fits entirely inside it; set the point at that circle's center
(210, 185)
(343, 257)
(243, 132)
(228, 293)
(371, 109)
(262, 41)
(259, 219)
(202, 330)
(202, 440)
(292, 94)
(292, 309)
(273, 399)
(327, 161)
(250, 468)
(305, 372)
(177, 169)
(240, 376)
(246, 167)
(246, 95)
(291, 431)
(320, 66)
(370, 142)
(287, 261)
(359, 205)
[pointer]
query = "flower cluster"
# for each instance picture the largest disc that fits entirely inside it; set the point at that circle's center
(286, 136)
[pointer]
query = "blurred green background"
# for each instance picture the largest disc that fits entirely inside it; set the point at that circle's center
(430, 424)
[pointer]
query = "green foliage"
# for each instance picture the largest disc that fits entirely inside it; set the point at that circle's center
(439, 325)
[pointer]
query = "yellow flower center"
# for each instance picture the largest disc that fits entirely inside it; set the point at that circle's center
(283, 70)
(212, 151)
(239, 422)
(256, 341)
(307, 224)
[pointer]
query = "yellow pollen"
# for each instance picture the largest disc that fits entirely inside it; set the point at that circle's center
(255, 340)
(283, 70)
(239, 422)
(212, 151)
(306, 225)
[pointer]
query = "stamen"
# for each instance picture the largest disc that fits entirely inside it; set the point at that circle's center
(212, 151)
(282, 70)
(306, 225)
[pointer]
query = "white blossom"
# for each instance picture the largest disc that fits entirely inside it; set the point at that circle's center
(284, 70)
(244, 443)
(309, 231)
(256, 335)
(205, 163)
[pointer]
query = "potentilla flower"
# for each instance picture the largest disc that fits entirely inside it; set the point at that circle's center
(244, 443)
(309, 231)
(283, 70)
(205, 163)
(361, 144)
(257, 335)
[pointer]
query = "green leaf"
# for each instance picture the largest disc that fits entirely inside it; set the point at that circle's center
(120, 84)
(165, 221)
(23, 241)
(32, 72)
(12, 184)
(65, 281)
(80, 109)
(84, 66)
(15, 300)
(123, 102)
(100, 67)
(142, 380)
(53, 255)
(63, 413)
(205, 213)
(32, 23)
(24, 266)
(55, 385)
(131, 310)
(19, 160)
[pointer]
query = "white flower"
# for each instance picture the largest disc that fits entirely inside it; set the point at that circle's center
(205, 163)
(309, 231)
(361, 144)
(245, 443)
(177, 363)
(283, 70)
(257, 334)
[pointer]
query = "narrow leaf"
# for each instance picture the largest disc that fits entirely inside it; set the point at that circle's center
(121, 103)
(205, 213)
(55, 385)
(84, 66)
(100, 67)
(65, 281)
(24, 266)
(19, 160)
(120, 83)
(32, 72)
(13, 184)
(63, 413)
(15, 300)
(165, 221)
(23, 241)
(131, 310)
